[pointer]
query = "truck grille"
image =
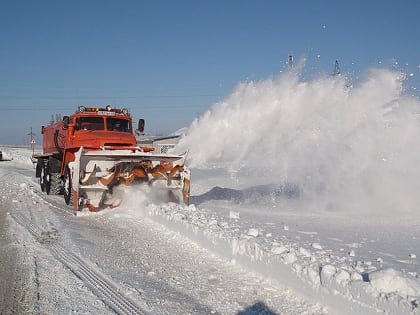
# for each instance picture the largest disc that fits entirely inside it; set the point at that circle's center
(122, 145)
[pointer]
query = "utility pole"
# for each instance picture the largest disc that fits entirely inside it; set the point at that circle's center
(337, 68)
(32, 135)
(290, 61)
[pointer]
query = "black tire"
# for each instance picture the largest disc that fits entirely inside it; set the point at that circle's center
(67, 189)
(55, 184)
(51, 183)
(48, 171)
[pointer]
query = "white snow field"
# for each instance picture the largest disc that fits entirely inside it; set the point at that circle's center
(305, 200)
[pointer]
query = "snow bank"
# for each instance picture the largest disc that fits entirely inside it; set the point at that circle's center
(345, 284)
(392, 281)
(17, 155)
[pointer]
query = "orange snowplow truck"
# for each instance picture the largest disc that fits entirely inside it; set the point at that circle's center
(88, 154)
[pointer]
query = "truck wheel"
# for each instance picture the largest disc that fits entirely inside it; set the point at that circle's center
(67, 187)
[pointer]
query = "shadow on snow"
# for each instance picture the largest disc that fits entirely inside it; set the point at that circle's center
(258, 308)
(249, 195)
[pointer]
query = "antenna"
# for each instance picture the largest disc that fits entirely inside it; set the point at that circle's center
(337, 70)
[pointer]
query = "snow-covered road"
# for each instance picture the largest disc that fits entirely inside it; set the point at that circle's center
(233, 251)
(116, 261)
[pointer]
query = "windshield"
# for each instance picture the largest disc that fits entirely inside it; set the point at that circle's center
(90, 123)
(117, 124)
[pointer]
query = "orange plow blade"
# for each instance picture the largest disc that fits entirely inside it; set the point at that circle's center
(97, 173)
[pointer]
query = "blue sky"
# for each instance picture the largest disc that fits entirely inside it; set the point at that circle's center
(169, 61)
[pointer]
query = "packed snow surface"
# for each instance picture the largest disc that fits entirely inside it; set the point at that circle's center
(312, 185)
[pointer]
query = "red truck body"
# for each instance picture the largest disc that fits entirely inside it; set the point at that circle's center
(89, 153)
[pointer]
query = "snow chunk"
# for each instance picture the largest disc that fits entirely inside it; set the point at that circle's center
(304, 252)
(289, 258)
(278, 250)
(342, 277)
(327, 273)
(253, 232)
(355, 276)
(316, 246)
(212, 222)
(233, 215)
(390, 280)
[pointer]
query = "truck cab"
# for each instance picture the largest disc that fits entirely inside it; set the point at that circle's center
(95, 128)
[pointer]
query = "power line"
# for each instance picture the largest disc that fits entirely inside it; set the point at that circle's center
(71, 108)
(108, 97)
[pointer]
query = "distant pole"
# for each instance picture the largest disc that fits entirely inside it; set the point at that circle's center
(290, 61)
(337, 70)
(32, 136)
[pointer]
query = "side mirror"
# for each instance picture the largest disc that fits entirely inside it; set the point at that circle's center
(65, 122)
(140, 128)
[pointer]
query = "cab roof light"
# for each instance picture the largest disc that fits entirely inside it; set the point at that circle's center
(108, 108)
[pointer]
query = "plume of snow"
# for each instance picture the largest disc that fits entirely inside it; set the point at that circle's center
(344, 146)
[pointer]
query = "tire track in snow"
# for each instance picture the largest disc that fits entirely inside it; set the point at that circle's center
(98, 284)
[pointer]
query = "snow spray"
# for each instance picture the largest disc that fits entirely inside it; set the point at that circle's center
(346, 147)
(136, 197)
